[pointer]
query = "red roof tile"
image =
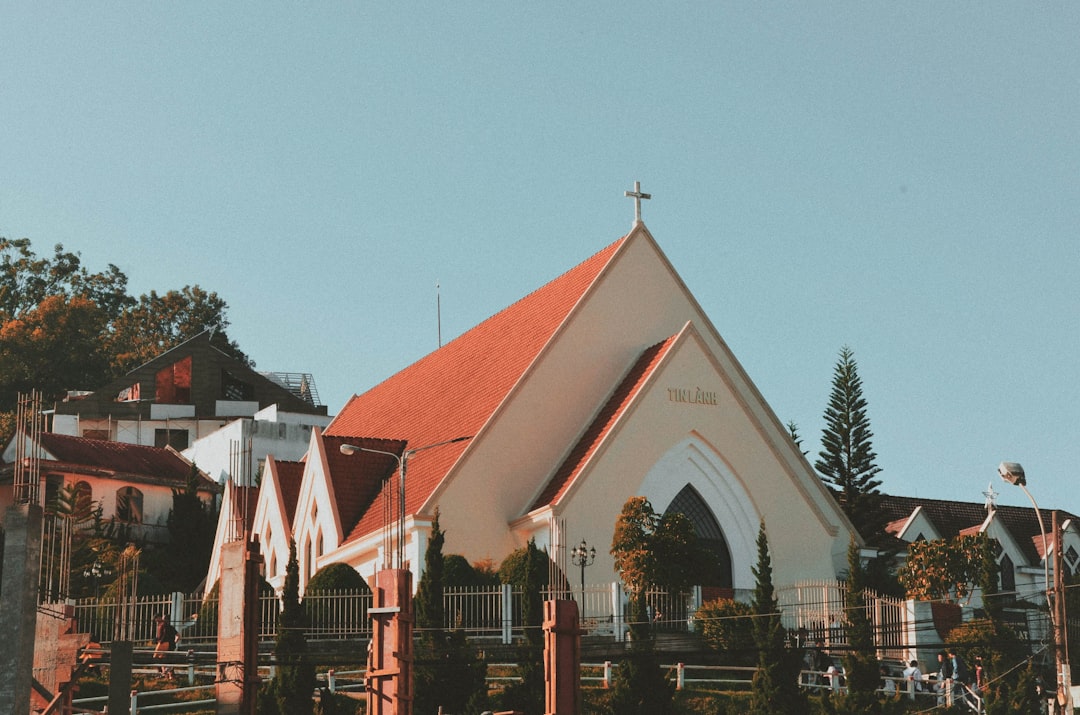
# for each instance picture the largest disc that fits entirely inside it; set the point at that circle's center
(290, 475)
(121, 459)
(601, 426)
(357, 478)
(453, 391)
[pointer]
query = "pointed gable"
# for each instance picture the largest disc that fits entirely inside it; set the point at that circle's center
(454, 391)
(289, 476)
(356, 479)
(602, 425)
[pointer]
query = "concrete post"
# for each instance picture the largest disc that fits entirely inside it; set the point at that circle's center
(562, 658)
(120, 654)
(390, 658)
(18, 617)
(507, 614)
(238, 628)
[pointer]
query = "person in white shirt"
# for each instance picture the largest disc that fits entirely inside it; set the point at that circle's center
(914, 675)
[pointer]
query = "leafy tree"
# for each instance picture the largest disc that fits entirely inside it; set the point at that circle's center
(53, 347)
(447, 671)
(944, 569)
(846, 461)
(992, 642)
(294, 681)
(775, 688)
(157, 323)
(26, 280)
(653, 550)
(337, 576)
(726, 625)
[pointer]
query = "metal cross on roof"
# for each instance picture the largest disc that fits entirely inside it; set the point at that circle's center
(991, 497)
(637, 196)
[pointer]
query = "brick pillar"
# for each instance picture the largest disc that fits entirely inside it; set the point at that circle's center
(238, 628)
(390, 658)
(18, 617)
(562, 658)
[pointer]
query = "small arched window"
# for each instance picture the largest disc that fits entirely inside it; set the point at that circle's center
(129, 505)
(84, 502)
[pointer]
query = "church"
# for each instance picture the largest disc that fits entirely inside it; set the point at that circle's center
(539, 423)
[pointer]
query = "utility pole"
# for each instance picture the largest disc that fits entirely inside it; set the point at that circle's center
(1064, 676)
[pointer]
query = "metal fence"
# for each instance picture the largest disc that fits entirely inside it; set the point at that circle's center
(813, 610)
(817, 612)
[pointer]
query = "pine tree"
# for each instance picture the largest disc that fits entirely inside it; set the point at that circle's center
(846, 461)
(294, 681)
(775, 687)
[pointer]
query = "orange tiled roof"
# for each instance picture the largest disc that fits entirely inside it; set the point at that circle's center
(357, 478)
(454, 391)
(290, 475)
(601, 426)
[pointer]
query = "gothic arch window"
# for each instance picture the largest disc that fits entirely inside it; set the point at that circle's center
(1008, 577)
(689, 503)
(84, 501)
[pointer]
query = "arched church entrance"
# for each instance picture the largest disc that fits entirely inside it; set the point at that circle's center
(716, 572)
(693, 479)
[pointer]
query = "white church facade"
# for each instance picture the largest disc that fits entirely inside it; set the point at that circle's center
(606, 383)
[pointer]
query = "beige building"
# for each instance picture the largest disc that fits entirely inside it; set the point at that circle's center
(606, 383)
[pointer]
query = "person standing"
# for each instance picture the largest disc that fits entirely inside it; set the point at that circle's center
(165, 637)
(914, 677)
(945, 674)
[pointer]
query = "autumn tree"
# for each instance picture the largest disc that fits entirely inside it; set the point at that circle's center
(847, 459)
(944, 569)
(650, 550)
(63, 327)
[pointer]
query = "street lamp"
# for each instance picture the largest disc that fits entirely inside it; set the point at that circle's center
(403, 461)
(583, 555)
(1013, 473)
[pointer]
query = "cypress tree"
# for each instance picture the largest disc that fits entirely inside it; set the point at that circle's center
(846, 461)
(447, 671)
(294, 683)
(775, 686)
(861, 663)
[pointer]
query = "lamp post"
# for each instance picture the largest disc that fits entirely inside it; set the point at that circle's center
(403, 461)
(1013, 473)
(583, 555)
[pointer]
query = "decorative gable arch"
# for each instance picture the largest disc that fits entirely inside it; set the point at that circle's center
(716, 493)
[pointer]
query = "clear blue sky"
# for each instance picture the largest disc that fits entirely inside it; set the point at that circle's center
(902, 178)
